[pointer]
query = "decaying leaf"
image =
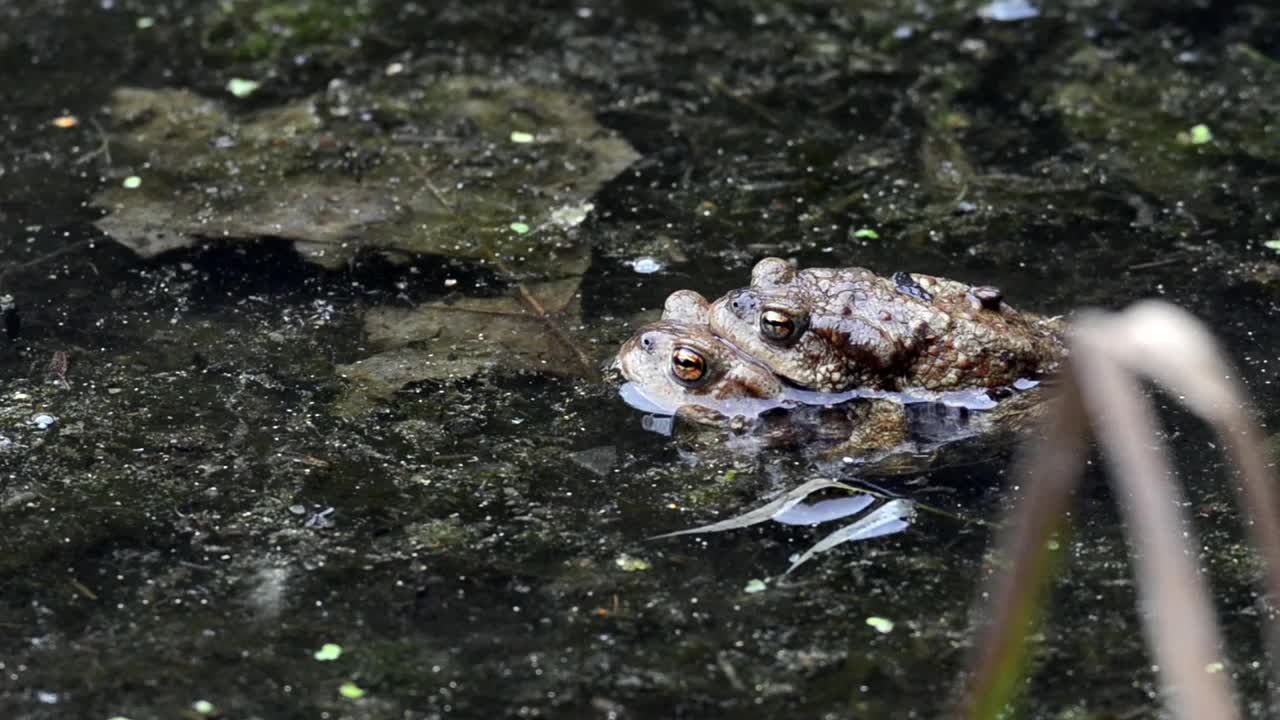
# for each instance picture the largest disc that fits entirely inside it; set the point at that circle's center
(523, 330)
(408, 165)
(777, 506)
(890, 517)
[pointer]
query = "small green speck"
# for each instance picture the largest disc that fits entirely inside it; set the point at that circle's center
(117, 717)
(632, 564)
(1201, 134)
(241, 87)
(519, 228)
(883, 625)
(755, 586)
(133, 182)
(1272, 244)
(866, 233)
(145, 22)
(204, 707)
(1214, 667)
(521, 137)
(329, 651)
(1053, 544)
(351, 691)
(730, 474)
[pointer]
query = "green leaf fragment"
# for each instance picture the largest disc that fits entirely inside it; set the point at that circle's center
(328, 651)
(755, 586)
(521, 137)
(1201, 134)
(351, 691)
(883, 625)
(632, 564)
(241, 87)
(1215, 667)
(133, 182)
(867, 233)
(204, 707)
(519, 228)
(1272, 244)
(145, 22)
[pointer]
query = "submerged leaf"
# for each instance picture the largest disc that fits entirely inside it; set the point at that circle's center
(433, 175)
(891, 517)
(521, 331)
(776, 506)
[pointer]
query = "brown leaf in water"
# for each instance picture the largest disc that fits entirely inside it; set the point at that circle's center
(446, 170)
(524, 330)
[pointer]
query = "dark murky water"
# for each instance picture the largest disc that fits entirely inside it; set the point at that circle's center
(197, 520)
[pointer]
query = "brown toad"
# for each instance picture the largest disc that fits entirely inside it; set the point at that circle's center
(676, 366)
(833, 329)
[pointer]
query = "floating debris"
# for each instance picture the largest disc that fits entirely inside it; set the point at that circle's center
(883, 625)
(1197, 135)
(43, 421)
(628, 563)
(351, 691)
(1008, 11)
(328, 652)
(646, 265)
(242, 88)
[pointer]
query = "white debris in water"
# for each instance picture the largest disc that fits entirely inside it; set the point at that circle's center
(1008, 10)
(43, 421)
(646, 265)
(571, 216)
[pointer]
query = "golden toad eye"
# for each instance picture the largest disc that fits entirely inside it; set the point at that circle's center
(777, 325)
(688, 366)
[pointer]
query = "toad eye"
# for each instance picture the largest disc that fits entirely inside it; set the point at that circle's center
(778, 326)
(688, 366)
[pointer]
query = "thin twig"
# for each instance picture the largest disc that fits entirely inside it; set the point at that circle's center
(103, 149)
(730, 93)
(1172, 259)
(526, 298)
(555, 328)
(65, 249)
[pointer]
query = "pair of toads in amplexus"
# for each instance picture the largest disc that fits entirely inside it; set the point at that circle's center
(879, 345)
